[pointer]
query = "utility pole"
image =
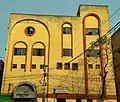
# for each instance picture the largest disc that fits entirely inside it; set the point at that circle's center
(44, 84)
(54, 92)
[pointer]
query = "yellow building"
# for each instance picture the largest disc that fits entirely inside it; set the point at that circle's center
(47, 57)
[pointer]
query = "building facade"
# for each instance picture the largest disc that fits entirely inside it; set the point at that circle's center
(1, 72)
(47, 57)
(116, 60)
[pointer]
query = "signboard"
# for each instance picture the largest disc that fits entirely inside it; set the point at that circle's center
(24, 95)
(61, 90)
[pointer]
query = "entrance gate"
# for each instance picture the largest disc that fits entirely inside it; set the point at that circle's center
(25, 92)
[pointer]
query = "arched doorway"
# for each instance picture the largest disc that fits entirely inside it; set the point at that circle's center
(25, 92)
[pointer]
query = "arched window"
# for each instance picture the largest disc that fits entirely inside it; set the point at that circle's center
(19, 57)
(38, 50)
(67, 28)
(20, 49)
(38, 56)
(91, 24)
(67, 40)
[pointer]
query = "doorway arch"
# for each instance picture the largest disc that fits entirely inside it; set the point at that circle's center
(25, 92)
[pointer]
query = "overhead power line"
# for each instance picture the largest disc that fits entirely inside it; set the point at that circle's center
(117, 25)
(114, 27)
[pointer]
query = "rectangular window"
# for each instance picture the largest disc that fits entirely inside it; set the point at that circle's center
(14, 66)
(33, 66)
(19, 51)
(22, 66)
(59, 65)
(67, 30)
(67, 66)
(93, 53)
(92, 31)
(38, 52)
(90, 65)
(97, 66)
(78, 100)
(75, 66)
(67, 52)
(42, 66)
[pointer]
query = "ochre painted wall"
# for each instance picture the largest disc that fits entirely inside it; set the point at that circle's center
(48, 31)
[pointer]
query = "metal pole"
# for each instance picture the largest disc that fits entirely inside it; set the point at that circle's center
(44, 84)
(43, 95)
(54, 92)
